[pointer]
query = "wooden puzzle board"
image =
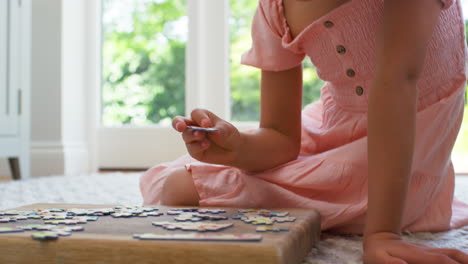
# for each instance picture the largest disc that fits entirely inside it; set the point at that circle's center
(110, 240)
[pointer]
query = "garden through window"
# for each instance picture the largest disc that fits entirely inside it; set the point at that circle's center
(143, 61)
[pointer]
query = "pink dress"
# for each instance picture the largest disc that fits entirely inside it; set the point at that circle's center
(330, 174)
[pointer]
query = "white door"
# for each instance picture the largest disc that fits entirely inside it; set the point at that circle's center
(9, 71)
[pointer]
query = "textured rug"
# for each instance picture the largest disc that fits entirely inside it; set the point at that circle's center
(122, 188)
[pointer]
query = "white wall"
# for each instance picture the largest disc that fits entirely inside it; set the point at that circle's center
(58, 106)
(46, 93)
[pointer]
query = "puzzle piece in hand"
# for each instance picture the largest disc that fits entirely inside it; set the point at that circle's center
(199, 226)
(271, 229)
(11, 230)
(204, 129)
(200, 237)
(45, 236)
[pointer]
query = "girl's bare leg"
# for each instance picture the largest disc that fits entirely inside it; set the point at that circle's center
(179, 189)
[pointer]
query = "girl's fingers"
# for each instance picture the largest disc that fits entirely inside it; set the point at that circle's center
(454, 254)
(196, 148)
(191, 136)
(431, 258)
(202, 117)
(179, 123)
(384, 257)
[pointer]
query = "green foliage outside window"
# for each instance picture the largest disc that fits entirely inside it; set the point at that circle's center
(245, 80)
(143, 61)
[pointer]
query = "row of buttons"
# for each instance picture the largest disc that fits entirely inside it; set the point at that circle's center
(342, 50)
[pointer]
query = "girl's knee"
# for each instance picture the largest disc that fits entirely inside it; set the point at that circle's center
(179, 189)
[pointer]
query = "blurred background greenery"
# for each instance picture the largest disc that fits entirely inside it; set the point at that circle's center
(143, 67)
(143, 61)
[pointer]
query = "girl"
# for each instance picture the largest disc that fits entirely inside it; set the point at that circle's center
(372, 155)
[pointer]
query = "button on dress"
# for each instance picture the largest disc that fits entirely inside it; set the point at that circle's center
(330, 174)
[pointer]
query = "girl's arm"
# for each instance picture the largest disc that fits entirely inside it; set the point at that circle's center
(402, 44)
(404, 37)
(277, 141)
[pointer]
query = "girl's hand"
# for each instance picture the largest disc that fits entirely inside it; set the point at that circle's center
(386, 247)
(220, 147)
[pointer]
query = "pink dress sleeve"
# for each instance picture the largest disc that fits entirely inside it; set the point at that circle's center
(446, 3)
(268, 52)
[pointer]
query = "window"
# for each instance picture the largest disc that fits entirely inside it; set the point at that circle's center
(143, 58)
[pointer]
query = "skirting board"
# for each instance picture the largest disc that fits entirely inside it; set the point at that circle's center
(55, 158)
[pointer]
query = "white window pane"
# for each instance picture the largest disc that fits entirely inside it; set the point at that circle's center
(143, 67)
